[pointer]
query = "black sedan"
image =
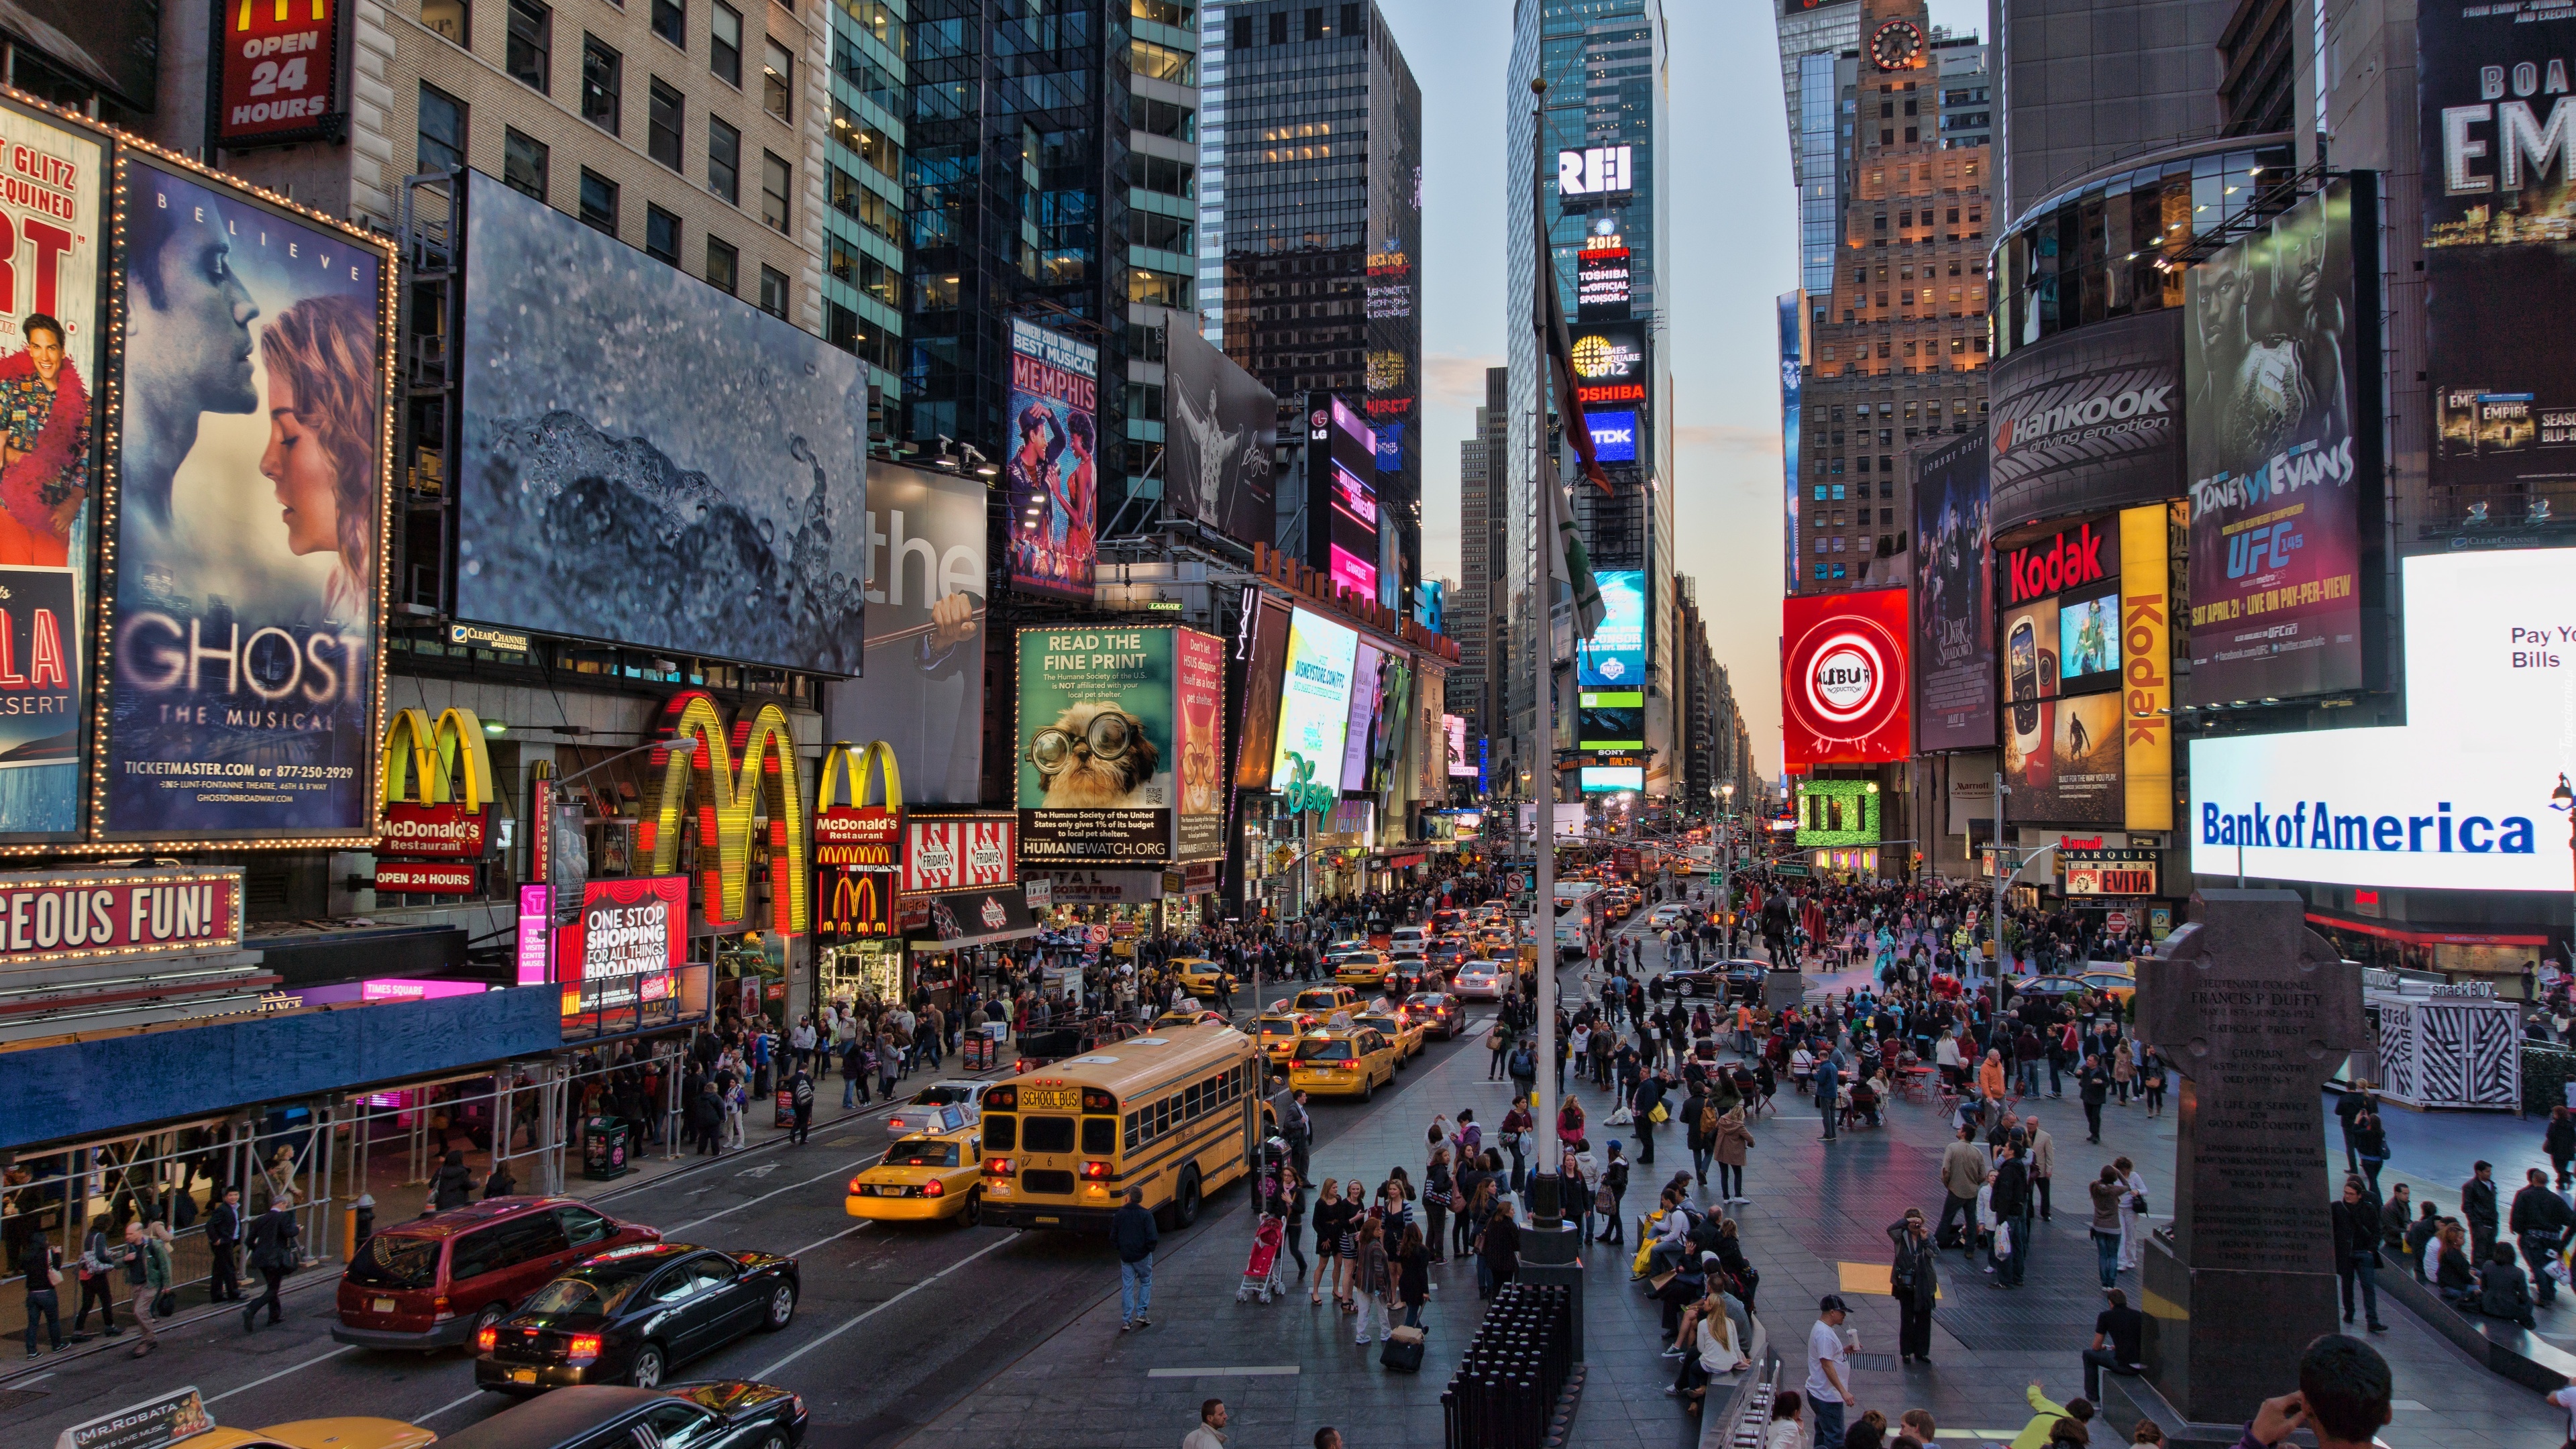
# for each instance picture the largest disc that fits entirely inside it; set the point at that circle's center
(1737, 980)
(721, 1415)
(627, 1315)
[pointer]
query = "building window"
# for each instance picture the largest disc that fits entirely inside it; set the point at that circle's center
(1243, 32)
(778, 81)
(523, 163)
(1353, 21)
(530, 57)
(661, 235)
(598, 201)
(777, 180)
(724, 44)
(773, 292)
(442, 130)
(1162, 62)
(1157, 173)
(451, 19)
(1314, 22)
(1278, 27)
(602, 82)
(724, 161)
(840, 326)
(663, 112)
(671, 22)
(724, 266)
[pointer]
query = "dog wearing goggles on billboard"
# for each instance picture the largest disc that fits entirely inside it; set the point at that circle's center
(1094, 757)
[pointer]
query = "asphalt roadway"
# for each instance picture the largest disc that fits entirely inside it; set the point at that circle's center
(897, 1322)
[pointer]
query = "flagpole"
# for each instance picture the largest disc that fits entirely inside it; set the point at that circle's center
(1543, 516)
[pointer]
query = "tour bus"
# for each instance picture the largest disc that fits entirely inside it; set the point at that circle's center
(1178, 1113)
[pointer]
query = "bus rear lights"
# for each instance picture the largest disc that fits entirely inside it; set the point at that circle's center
(1096, 1171)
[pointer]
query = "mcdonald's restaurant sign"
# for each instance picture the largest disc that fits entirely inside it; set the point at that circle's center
(438, 797)
(858, 836)
(853, 904)
(739, 787)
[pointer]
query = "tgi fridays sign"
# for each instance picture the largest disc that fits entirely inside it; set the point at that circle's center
(73, 915)
(960, 853)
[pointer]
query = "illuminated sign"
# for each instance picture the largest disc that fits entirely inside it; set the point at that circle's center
(2109, 872)
(858, 836)
(853, 904)
(696, 761)
(1614, 436)
(437, 784)
(78, 915)
(1613, 352)
(962, 853)
(1601, 284)
(2087, 553)
(1616, 392)
(2146, 669)
(426, 877)
(628, 944)
(1596, 171)
(1843, 681)
(277, 77)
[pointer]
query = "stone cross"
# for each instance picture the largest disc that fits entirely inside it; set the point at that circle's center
(2256, 1011)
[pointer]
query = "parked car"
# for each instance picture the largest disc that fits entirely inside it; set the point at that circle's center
(627, 1315)
(930, 1108)
(727, 1414)
(434, 1282)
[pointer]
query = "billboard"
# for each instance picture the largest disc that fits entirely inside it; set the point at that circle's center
(1843, 686)
(960, 852)
(1610, 354)
(1314, 701)
(1792, 370)
(2283, 448)
(1198, 702)
(2492, 95)
(1053, 465)
(648, 461)
(1611, 667)
(1603, 780)
(53, 242)
(250, 514)
(1954, 600)
(1264, 651)
(1460, 765)
(1837, 812)
(1341, 468)
(1099, 748)
(1216, 463)
(1596, 171)
(2458, 797)
(2089, 418)
(1601, 286)
(1366, 696)
(1614, 435)
(923, 690)
(276, 73)
(2146, 664)
(628, 944)
(2088, 643)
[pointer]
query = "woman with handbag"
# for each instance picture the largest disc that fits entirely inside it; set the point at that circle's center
(1437, 1185)
(1328, 1229)
(2133, 1212)
(1914, 1278)
(1413, 1275)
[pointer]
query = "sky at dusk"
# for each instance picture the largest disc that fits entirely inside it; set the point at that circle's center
(1731, 251)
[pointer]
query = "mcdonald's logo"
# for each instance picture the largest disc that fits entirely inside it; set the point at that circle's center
(857, 904)
(697, 760)
(858, 835)
(447, 762)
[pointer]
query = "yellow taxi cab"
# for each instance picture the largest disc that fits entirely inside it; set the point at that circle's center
(1188, 1016)
(1199, 976)
(923, 1178)
(2115, 981)
(1345, 1061)
(1277, 1033)
(346, 1433)
(1399, 1027)
(1323, 1001)
(1360, 968)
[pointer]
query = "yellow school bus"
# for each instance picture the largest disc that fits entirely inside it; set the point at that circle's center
(1179, 1113)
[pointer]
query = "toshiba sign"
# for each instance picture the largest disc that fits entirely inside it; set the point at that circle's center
(1843, 684)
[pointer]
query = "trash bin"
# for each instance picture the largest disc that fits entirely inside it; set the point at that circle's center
(604, 1145)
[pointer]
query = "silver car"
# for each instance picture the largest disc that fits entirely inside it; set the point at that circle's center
(940, 1107)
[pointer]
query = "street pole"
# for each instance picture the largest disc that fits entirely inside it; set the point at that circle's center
(1996, 963)
(1543, 902)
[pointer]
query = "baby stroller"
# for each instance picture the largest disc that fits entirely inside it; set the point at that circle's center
(1261, 1274)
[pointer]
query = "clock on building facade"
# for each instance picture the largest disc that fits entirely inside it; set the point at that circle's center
(1897, 45)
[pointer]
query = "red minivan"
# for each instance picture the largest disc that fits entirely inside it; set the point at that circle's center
(430, 1283)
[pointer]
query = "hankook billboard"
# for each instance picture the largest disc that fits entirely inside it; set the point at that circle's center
(2089, 418)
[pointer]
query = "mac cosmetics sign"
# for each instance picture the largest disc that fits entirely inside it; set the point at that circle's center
(2455, 799)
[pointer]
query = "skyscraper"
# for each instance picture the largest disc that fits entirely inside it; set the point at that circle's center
(1896, 346)
(1484, 563)
(1317, 215)
(863, 272)
(1814, 34)
(1599, 174)
(2083, 84)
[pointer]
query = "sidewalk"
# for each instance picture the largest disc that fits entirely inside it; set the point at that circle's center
(1286, 1369)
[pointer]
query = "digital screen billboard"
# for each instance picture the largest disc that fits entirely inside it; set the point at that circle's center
(647, 460)
(1264, 651)
(1053, 465)
(1836, 812)
(924, 662)
(2284, 450)
(1614, 435)
(1601, 286)
(53, 242)
(1792, 369)
(1101, 740)
(1460, 765)
(2088, 643)
(1611, 666)
(2088, 418)
(1314, 701)
(2458, 797)
(1609, 354)
(1216, 463)
(1843, 686)
(1603, 780)
(2499, 262)
(1351, 526)
(1363, 714)
(248, 551)
(1954, 600)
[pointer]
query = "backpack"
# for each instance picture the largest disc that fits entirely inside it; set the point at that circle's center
(804, 1092)
(1708, 1121)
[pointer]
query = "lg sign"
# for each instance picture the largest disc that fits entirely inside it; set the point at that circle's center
(1843, 684)
(1596, 171)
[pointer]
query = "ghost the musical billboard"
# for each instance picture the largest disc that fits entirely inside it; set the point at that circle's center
(51, 213)
(647, 460)
(249, 518)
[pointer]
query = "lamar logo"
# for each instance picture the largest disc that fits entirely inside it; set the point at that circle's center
(2069, 561)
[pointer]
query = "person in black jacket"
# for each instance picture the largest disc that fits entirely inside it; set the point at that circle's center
(272, 1251)
(1132, 1230)
(1915, 1280)
(223, 1235)
(453, 1187)
(2012, 1209)
(2478, 1209)
(2502, 1293)
(2356, 1231)
(2539, 1225)
(2558, 1143)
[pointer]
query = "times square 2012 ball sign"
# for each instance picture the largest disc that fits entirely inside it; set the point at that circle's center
(1843, 681)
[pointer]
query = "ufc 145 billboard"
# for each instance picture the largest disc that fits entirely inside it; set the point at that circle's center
(1843, 679)
(2284, 450)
